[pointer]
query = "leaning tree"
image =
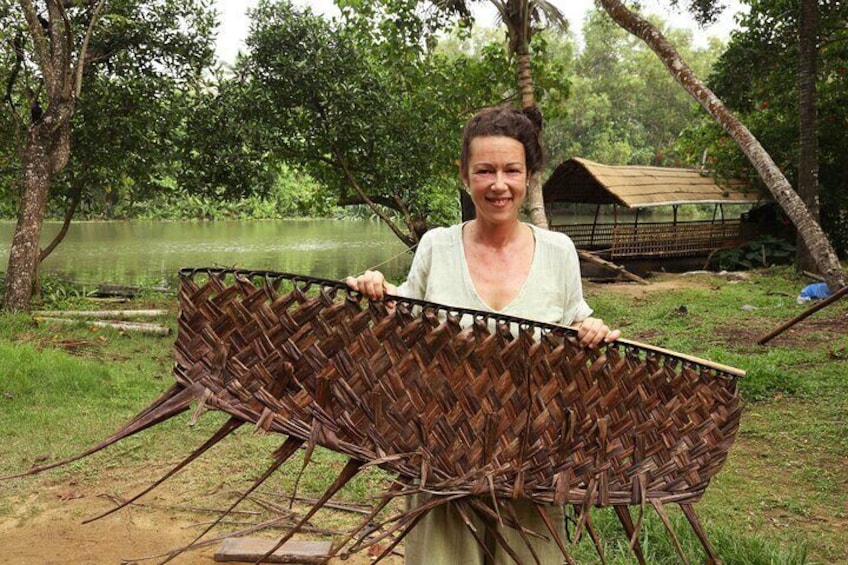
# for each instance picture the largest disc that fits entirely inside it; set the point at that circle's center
(781, 190)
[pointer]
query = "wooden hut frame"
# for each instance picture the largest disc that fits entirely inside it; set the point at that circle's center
(581, 181)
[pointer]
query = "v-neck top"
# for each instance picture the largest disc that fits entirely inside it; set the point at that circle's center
(552, 292)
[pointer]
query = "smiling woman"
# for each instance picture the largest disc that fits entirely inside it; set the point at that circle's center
(498, 264)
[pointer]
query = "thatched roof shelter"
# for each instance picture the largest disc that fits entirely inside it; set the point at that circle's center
(582, 181)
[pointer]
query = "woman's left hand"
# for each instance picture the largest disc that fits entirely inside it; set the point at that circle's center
(593, 331)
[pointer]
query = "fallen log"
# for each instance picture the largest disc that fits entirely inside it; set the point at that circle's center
(101, 313)
(124, 326)
(592, 258)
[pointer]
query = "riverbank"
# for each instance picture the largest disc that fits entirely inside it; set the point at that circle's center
(781, 498)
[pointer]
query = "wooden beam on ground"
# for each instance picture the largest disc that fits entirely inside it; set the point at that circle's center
(592, 258)
(811, 310)
(125, 326)
(293, 551)
(101, 313)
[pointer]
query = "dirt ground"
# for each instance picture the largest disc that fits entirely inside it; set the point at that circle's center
(47, 528)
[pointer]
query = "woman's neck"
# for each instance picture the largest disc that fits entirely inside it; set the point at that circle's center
(495, 235)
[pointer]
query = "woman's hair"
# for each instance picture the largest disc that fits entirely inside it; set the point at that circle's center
(524, 126)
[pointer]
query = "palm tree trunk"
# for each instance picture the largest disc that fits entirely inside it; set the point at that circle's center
(535, 200)
(808, 229)
(808, 159)
(525, 80)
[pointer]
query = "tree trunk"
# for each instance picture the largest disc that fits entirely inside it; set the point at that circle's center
(808, 159)
(48, 141)
(24, 254)
(535, 200)
(808, 229)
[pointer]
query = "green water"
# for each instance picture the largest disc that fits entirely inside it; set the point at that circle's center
(147, 252)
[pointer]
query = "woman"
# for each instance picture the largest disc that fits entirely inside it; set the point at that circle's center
(494, 263)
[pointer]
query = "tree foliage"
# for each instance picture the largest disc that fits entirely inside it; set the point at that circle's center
(624, 107)
(364, 105)
(809, 230)
(53, 51)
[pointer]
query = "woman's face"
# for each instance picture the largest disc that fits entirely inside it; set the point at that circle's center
(496, 177)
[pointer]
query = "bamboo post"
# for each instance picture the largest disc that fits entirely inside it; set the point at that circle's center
(811, 310)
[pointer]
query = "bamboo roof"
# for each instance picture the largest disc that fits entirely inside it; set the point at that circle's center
(579, 180)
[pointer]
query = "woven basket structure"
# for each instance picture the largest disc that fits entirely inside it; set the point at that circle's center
(468, 406)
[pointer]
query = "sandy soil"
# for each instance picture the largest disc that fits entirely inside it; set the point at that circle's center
(45, 526)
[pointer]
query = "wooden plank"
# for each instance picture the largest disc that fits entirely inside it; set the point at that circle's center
(293, 551)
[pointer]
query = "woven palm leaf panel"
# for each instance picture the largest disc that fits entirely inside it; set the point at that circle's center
(455, 401)
(475, 409)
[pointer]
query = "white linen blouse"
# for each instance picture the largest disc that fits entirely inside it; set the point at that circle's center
(552, 292)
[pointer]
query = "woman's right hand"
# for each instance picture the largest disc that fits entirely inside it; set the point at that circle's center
(372, 284)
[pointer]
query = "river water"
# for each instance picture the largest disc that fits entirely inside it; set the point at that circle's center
(131, 252)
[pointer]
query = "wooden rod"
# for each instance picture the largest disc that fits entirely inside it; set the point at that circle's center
(691, 358)
(811, 310)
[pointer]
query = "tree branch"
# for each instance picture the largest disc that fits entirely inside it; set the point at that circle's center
(357, 200)
(410, 239)
(67, 87)
(18, 47)
(76, 196)
(81, 62)
(41, 47)
(55, 14)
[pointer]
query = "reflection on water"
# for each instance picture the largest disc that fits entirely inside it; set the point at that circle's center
(145, 252)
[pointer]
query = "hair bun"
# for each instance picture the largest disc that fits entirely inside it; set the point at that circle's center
(535, 116)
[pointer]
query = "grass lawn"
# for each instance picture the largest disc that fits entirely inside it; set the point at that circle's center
(781, 498)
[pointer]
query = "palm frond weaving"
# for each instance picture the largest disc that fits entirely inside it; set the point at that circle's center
(473, 408)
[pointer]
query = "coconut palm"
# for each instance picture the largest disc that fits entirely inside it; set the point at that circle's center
(523, 19)
(808, 228)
